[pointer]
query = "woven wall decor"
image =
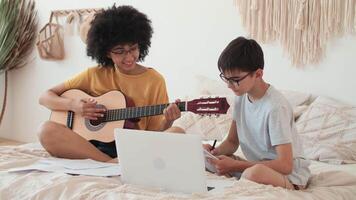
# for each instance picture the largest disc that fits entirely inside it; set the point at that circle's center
(303, 27)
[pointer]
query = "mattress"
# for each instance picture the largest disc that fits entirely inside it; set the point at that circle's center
(327, 182)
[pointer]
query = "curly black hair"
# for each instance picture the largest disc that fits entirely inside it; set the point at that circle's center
(241, 54)
(118, 26)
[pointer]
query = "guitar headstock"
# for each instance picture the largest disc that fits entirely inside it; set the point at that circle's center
(208, 106)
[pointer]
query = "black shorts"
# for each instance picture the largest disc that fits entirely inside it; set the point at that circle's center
(109, 148)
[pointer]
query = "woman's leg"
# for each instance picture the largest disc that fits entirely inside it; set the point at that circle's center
(175, 129)
(62, 142)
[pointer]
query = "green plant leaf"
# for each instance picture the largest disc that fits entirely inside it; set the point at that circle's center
(18, 29)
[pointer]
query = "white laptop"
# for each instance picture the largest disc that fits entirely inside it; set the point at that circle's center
(170, 161)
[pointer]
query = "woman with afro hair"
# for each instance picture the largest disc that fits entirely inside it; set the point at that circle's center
(119, 38)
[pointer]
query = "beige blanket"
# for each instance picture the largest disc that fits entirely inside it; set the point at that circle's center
(328, 182)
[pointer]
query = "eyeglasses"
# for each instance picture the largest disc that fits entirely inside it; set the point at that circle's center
(235, 81)
(122, 52)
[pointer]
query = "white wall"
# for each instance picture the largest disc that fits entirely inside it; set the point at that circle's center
(188, 38)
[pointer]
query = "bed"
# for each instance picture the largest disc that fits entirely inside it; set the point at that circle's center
(326, 126)
(329, 181)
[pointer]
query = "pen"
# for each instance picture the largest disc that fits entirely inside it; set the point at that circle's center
(213, 147)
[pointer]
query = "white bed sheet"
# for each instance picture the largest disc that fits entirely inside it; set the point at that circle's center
(328, 182)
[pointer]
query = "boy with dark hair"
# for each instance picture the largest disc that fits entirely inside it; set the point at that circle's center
(263, 124)
(118, 38)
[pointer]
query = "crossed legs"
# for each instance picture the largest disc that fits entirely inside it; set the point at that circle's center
(62, 142)
(260, 173)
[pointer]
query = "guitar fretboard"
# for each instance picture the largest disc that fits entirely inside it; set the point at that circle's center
(138, 112)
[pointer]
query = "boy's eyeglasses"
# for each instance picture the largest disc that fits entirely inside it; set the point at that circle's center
(122, 52)
(235, 81)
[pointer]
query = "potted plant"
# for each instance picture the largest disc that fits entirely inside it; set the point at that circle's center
(18, 28)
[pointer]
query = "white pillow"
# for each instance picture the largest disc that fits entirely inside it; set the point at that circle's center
(328, 131)
(296, 98)
(208, 86)
(209, 128)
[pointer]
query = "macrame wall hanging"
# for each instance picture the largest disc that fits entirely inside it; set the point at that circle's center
(303, 27)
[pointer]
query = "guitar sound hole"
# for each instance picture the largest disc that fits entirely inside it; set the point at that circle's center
(96, 122)
(100, 120)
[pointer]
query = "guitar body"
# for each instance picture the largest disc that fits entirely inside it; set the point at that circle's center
(122, 113)
(103, 132)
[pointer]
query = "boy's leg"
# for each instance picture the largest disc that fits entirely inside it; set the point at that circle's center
(62, 142)
(260, 173)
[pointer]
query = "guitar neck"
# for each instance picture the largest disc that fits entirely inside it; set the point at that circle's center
(138, 112)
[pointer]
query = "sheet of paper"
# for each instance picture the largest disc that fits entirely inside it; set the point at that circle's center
(211, 168)
(69, 166)
(76, 163)
(209, 155)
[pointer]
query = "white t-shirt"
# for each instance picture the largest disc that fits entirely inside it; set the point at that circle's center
(265, 123)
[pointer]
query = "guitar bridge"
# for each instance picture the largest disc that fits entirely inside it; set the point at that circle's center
(70, 119)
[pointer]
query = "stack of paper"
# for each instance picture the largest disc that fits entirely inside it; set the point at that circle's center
(208, 165)
(70, 166)
(211, 168)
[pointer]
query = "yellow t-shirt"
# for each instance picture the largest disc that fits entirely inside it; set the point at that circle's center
(148, 88)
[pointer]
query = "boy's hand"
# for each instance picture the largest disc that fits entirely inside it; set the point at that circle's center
(172, 112)
(224, 165)
(207, 147)
(210, 149)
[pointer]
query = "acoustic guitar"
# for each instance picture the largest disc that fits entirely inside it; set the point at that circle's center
(119, 111)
